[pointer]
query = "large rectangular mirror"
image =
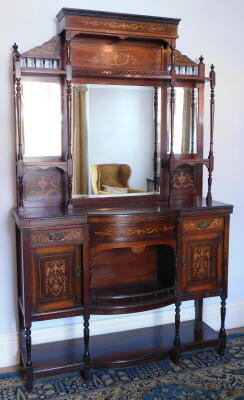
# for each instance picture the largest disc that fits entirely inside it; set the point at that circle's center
(115, 140)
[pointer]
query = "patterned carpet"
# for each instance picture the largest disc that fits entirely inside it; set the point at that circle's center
(201, 375)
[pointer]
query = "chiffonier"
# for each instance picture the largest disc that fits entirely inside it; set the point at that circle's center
(110, 217)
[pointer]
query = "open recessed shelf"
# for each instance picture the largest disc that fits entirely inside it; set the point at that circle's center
(131, 295)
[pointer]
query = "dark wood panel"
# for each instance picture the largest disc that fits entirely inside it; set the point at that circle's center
(43, 187)
(56, 278)
(105, 53)
(202, 262)
(117, 266)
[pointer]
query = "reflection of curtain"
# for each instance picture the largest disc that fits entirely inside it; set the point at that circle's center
(186, 122)
(80, 181)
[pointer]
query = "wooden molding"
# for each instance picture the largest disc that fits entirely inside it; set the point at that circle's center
(49, 49)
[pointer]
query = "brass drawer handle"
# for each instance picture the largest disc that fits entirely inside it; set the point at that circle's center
(56, 236)
(203, 224)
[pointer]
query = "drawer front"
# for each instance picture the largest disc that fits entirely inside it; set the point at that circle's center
(56, 276)
(212, 224)
(202, 261)
(131, 232)
(49, 237)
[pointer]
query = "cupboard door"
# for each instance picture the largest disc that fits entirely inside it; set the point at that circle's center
(202, 262)
(56, 278)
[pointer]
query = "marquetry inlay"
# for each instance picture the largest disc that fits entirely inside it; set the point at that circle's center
(183, 180)
(55, 277)
(202, 225)
(125, 26)
(38, 238)
(127, 232)
(43, 187)
(201, 262)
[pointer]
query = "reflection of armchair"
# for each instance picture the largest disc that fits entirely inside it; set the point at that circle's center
(114, 176)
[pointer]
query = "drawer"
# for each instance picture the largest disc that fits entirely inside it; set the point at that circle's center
(131, 232)
(52, 236)
(212, 224)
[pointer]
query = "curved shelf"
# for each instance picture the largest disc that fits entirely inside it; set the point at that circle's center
(130, 297)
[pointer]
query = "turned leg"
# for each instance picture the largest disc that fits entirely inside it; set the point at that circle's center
(177, 333)
(222, 334)
(21, 336)
(198, 319)
(86, 357)
(29, 369)
(198, 310)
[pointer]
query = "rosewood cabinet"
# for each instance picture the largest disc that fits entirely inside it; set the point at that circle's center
(127, 249)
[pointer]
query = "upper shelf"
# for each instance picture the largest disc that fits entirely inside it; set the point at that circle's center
(75, 21)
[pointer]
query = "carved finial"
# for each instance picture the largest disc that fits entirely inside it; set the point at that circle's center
(16, 53)
(201, 59)
(212, 67)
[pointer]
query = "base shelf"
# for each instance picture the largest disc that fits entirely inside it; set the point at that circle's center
(120, 349)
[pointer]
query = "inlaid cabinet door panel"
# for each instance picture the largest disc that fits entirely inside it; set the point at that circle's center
(202, 262)
(56, 278)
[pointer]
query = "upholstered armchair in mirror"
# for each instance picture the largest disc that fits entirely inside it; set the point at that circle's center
(111, 179)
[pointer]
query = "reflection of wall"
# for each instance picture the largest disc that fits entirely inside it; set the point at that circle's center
(121, 129)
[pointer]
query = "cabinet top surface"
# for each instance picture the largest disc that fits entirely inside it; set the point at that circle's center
(178, 207)
(112, 15)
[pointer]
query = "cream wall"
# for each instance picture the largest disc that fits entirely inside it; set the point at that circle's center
(213, 28)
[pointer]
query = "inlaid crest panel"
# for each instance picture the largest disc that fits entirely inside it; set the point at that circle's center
(202, 263)
(45, 185)
(184, 179)
(89, 54)
(202, 267)
(56, 278)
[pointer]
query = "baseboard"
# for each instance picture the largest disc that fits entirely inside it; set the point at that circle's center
(9, 342)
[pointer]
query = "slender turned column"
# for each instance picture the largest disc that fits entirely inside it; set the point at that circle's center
(155, 153)
(86, 357)
(222, 333)
(172, 112)
(29, 369)
(18, 114)
(210, 156)
(69, 104)
(177, 332)
(193, 108)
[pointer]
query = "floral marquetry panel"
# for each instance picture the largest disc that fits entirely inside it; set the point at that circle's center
(43, 185)
(202, 263)
(121, 55)
(184, 179)
(57, 274)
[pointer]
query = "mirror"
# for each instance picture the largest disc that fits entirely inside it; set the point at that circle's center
(185, 120)
(42, 118)
(115, 140)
